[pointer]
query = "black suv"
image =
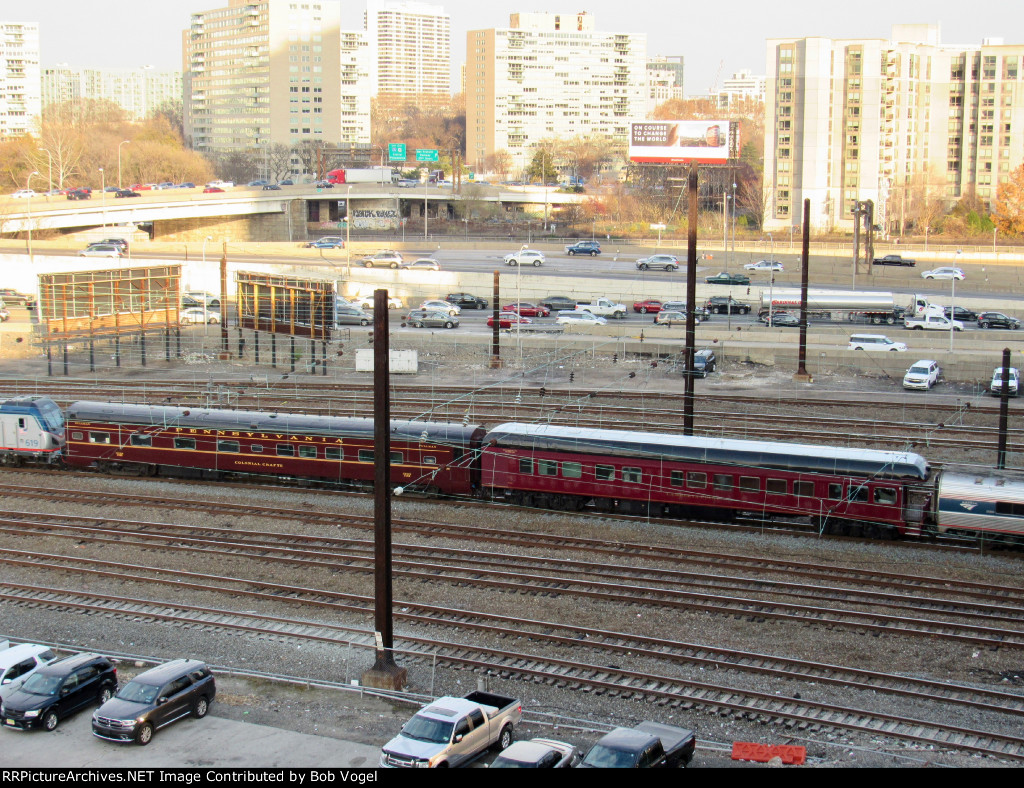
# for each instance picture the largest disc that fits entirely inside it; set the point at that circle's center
(58, 690)
(703, 363)
(584, 247)
(154, 699)
(722, 304)
(959, 313)
(466, 301)
(997, 320)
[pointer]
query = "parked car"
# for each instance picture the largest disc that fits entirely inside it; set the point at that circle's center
(386, 257)
(466, 301)
(527, 310)
(959, 313)
(123, 193)
(579, 317)
(423, 264)
(592, 248)
(666, 262)
(155, 699)
(557, 302)
(194, 315)
(725, 278)
(997, 320)
(922, 374)
(9, 296)
(507, 320)
(5, 314)
(649, 305)
(525, 257)
(874, 342)
(704, 362)
(672, 317)
(945, 272)
(366, 302)
(327, 242)
(23, 193)
(19, 662)
(436, 305)
(1012, 382)
(721, 305)
(893, 259)
(764, 265)
(351, 316)
(538, 754)
(429, 318)
(649, 745)
(101, 250)
(58, 690)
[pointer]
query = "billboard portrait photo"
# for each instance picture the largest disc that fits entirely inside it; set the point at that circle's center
(679, 141)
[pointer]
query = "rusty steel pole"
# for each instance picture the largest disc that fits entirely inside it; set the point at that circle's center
(495, 343)
(691, 306)
(805, 264)
(1004, 410)
(224, 301)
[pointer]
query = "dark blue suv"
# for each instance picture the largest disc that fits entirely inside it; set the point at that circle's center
(593, 248)
(58, 690)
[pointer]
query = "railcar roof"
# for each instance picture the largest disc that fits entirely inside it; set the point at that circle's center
(726, 451)
(245, 420)
(989, 486)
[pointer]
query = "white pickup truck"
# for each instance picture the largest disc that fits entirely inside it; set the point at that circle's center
(933, 321)
(603, 307)
(453, 731)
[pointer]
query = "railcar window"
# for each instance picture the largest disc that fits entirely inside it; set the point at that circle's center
(1012, 509)
(366, 455)
(256, 448)
(21, 422)
(632, 475)
(76, 436)
(750, 484)
(285, 450)
(333, 453)
(803, 489)
(604, 473)
(885, 495)
(397, 458)
(676, 479)
(307, 451)
(525, 466)
(776, 486)
(697, 481)
(858, 494)
(184, 443)
(99, 437)
(141, 440)
(228, 447)
(722, 481)
(572, 470)
(430, 460)
(835, 492)
(547, 467)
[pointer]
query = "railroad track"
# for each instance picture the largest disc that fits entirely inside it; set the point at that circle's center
(572, 674)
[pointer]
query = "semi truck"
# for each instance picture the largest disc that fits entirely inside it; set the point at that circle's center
(373, 175)
(849, 305)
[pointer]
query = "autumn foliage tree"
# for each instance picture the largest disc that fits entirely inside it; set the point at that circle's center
(1009, 210)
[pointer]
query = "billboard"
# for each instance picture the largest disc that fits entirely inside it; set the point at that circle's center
(681, 141)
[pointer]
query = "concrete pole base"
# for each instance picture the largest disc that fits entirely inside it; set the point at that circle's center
(495, 363)
(803, 377)
(385, 674)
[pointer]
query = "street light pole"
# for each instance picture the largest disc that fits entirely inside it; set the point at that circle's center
(222, 307)
(771, 285)
(28, 188)
(103, 196)
(348, 231)
(125, 142)
(733, 220)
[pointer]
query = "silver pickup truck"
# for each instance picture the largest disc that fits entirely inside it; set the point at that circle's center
(454, 731)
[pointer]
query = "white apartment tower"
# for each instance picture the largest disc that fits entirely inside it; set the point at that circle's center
(664, 80)
(262, 72)
(550, 75)
(900, 122)
(356, 87)
(138, 91)
(411, 44)
(20, 92)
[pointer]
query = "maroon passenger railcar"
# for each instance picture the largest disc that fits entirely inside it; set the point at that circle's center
(874, 493)
(433, 457)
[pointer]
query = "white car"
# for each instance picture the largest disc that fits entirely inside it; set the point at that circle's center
(946, 272)
(195, 315)
(101, 250)
(423, 264)
(366, 302)
(875, 342)
(578, 316)
(1012, 382)
(220, 185)
(441, 306)
(764, 265)
(525, 257)
(922, 375)
(19, 662)
(23, 193)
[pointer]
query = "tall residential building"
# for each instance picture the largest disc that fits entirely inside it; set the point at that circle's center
(411, 43)
(20, 93)
(356, 87)
(138, 91)
(903, 122)
(263, 72)
(664, 80)
(550, 75)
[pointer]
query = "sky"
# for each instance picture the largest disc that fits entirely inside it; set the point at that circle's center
(715, 38)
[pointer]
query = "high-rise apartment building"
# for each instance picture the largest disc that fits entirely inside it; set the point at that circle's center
(138, 91)
(550, 75)
(356, 87)
(411, 44)
(262, 72)
(20, 97)
(664, 80)
(902, 122)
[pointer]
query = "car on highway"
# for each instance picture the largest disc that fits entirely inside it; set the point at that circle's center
(385, 257)
(538, 754)
(432, 318)
(1012, 382)
(351, 316)
(23, 193)
(422, 264)
(212, 190)
(592, 248)
(508, 319)
(10, 296)
(101, 250)
(648, 305)
(260, 182)
(125, 193)
(680, 306)
(579, 317)
(944, 272)
(366, 302)
(271, 187)
(922, 374)
(466, 301)
(56, 691)
(5, 314)
(327, 242)
(525, 257)
(287, 182)
(666, 262)
(672, 317)
(407, 183)
(437, 305)
(725, 278)
(120, 243)
(558, 302)
(527, 310)
(20, 661)
(199, 298)
(79, 194)
(960, 313)
(997, 320)
(894, 259)
(764, 265)
(875, 342)
(155, 699)
(782, 319)
(721, 305)
(222, 184)
(196, 314)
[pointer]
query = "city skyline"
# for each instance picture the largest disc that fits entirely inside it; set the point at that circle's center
(714, 44)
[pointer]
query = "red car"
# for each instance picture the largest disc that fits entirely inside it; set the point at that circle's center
(142, 187)
(212, 190)
(650, 305)
(507, 320)
(527, 310)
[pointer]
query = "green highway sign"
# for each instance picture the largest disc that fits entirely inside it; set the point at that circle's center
(423, 154)
(396, 151)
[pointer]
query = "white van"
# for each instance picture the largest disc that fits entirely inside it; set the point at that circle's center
(875, 342)
(19, 662)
